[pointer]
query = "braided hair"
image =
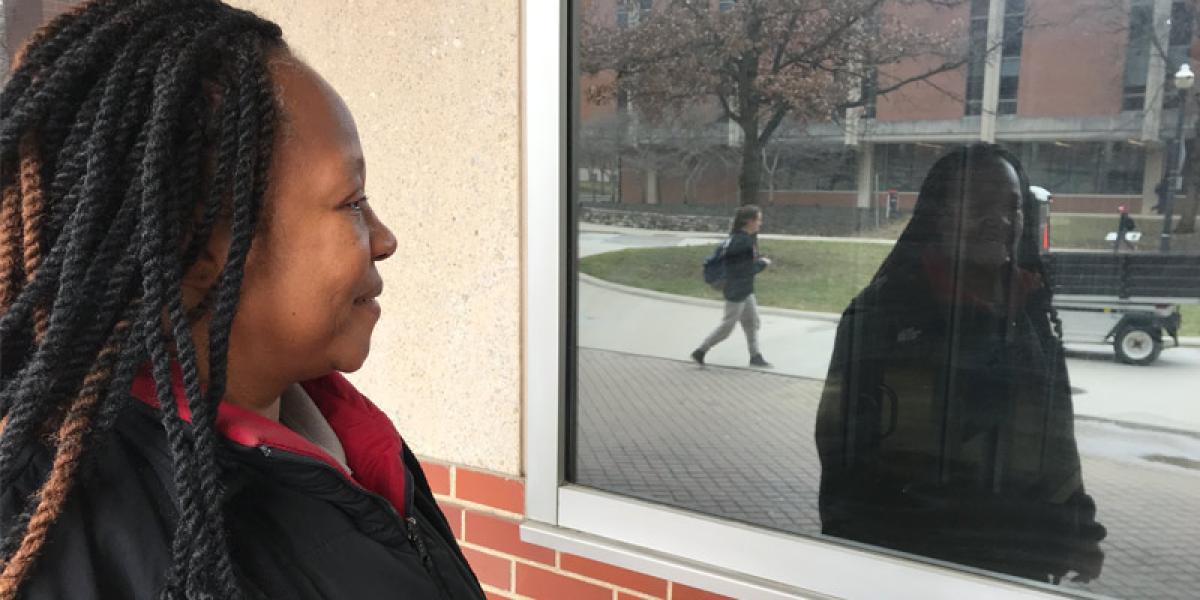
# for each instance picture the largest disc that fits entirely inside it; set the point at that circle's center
(127, 130)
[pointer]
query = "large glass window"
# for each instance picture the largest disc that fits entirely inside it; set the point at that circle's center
(974, 347)
(1140, 30)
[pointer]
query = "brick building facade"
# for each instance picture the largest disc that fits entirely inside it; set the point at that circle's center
(1092, 136)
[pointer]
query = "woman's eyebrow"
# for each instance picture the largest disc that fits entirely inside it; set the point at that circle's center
(355, 165)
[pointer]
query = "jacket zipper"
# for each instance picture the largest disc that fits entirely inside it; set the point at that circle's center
(409, 524)
(418, 542)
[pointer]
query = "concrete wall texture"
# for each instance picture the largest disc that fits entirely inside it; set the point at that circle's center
(435, 88)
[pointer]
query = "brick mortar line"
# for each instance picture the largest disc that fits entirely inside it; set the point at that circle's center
(564, 572)
(456, 466)
(507, 593)
(479, 508)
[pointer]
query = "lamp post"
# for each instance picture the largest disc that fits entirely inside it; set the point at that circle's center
(1173, 175)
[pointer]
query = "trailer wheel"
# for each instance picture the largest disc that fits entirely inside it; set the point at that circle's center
(1137, 345)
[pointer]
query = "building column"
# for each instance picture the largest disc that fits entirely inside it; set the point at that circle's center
(652, 186)
(1151, 176)
(991, 71)
(866, 182)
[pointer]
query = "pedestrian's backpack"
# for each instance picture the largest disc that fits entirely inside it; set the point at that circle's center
(714, 266)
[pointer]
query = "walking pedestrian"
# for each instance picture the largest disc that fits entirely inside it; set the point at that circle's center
(1124, 227)
(742, 263)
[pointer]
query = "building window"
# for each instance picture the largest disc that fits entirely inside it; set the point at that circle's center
(726, 5)
(822, 168)
(976, 56)
(1179, 49)
(632, 12)
(1102, 168)
(870, 99)
(1141, 44)
(1010, 56)
(1137, 54)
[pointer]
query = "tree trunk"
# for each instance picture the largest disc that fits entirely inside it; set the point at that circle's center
(750, 180)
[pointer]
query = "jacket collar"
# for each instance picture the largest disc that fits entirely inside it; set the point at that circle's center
(373, 446)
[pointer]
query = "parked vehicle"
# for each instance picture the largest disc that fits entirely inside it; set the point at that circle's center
(1129, 300)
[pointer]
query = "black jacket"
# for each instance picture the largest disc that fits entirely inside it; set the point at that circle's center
(300, 528)
(741, 265)
(953, 442)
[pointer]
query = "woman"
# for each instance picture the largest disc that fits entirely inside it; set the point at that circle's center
(187, 262)
(742, 264)
(946, 428)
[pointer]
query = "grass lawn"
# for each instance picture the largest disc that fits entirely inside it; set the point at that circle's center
(817, 276)
(1191, 320)
(805, 275)
(1067, 231)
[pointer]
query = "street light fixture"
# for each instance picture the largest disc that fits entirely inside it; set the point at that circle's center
(1173, 176)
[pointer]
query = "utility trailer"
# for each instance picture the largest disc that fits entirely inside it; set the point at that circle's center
(1129, 300)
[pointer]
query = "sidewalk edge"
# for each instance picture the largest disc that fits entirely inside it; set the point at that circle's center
(714, 304)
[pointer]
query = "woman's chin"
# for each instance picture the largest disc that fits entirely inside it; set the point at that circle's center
(350, 362)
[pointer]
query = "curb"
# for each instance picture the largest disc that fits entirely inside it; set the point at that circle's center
(598, 228)
(706, 303)
(1184, 342)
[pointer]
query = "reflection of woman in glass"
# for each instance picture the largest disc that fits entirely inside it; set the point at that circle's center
(946, 428)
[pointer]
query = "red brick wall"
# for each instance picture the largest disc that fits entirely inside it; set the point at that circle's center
(1061, 58)
(925, 100)
(485, 511)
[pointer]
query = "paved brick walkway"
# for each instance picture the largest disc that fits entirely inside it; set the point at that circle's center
(738, 443)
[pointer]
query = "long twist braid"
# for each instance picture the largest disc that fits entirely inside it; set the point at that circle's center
(33, 209)
(129, 128)
(53, 493)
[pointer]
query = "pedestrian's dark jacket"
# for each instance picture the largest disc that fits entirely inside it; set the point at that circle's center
(1126, 224)
(741, 265)
(954, 443)
(300, 526)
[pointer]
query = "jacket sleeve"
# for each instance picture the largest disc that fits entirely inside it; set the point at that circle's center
(110, 541)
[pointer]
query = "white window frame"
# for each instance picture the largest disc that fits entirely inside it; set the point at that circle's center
(699, 550)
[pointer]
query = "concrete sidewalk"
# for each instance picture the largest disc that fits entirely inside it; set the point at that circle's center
(643, 322)
(739, 443)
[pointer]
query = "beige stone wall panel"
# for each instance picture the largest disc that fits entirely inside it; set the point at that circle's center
(434, 87)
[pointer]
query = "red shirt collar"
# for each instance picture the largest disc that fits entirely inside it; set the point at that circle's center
(373, 447)
(936, 267)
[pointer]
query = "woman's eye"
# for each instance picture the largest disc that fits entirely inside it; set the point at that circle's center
(356, 205)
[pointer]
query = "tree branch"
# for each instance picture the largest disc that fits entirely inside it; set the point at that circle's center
(781, 111)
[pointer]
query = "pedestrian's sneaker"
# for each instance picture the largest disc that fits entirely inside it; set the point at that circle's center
(758, 361)
(698, 356)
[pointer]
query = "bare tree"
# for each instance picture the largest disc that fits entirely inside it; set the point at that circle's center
(764, 61)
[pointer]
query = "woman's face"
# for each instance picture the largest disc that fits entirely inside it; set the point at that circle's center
(754, 225)
(985, 227)
(308, 302)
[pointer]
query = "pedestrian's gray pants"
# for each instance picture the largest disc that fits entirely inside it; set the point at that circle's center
(745, 312)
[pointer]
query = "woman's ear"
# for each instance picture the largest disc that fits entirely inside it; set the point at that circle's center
(203, 274)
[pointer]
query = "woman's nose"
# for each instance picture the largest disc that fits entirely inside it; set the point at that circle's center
(383, 241)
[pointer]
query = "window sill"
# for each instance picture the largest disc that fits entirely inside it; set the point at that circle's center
(749, 562)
